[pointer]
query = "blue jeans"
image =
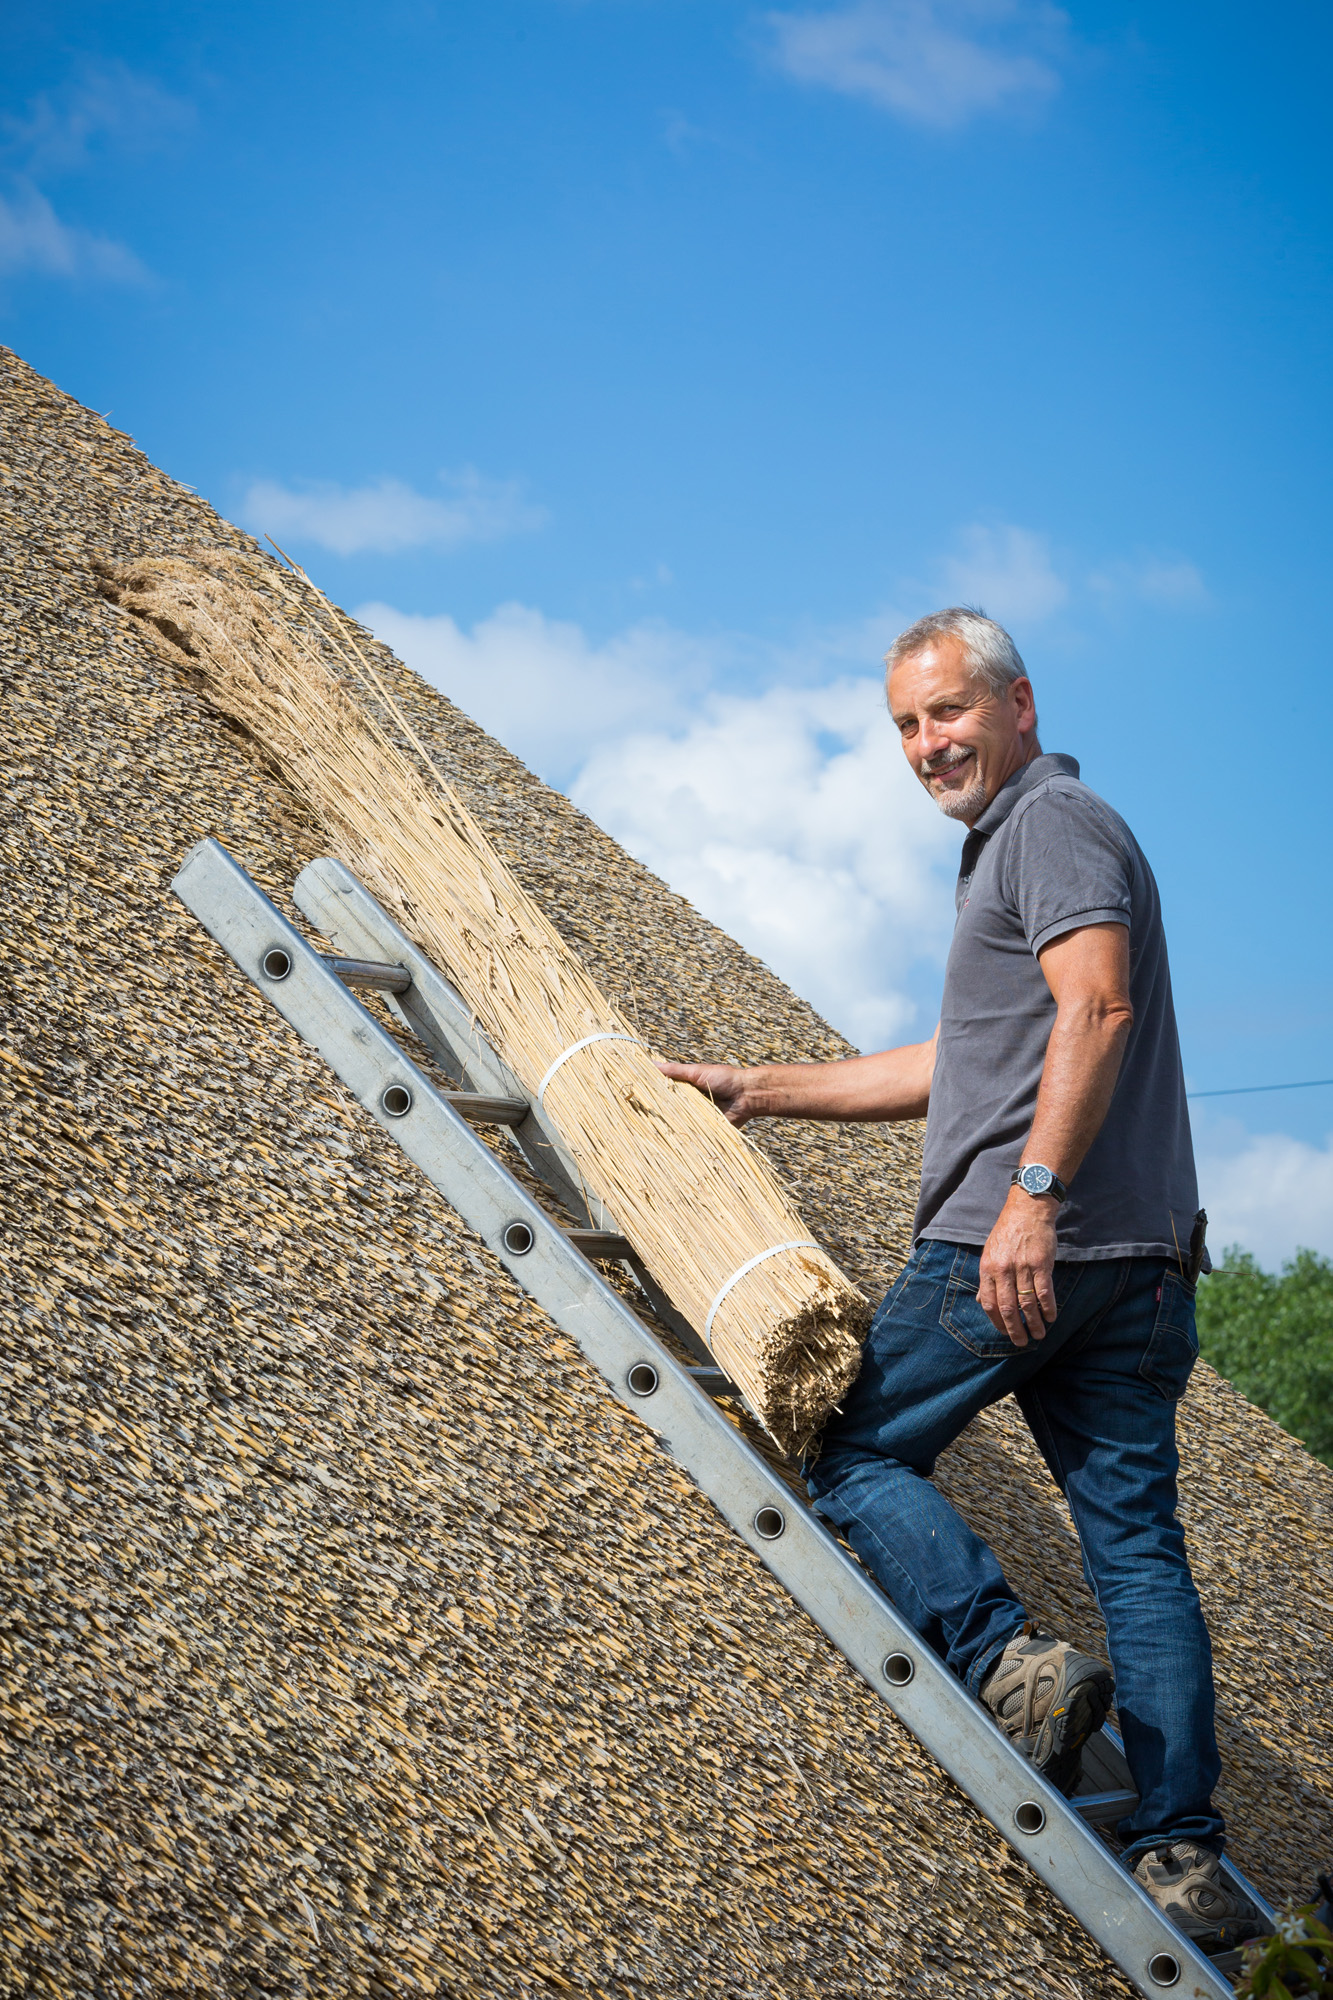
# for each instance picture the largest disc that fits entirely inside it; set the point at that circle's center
(1099, 1395)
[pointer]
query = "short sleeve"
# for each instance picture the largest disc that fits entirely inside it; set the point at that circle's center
(1068, 865)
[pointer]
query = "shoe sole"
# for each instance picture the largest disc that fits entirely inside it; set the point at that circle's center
(1218, 1940)
(1080, 1706)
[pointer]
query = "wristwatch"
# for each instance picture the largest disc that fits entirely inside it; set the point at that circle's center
(1035, 1179)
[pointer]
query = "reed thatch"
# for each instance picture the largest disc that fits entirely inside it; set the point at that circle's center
(353, 1641)
(703, 1210)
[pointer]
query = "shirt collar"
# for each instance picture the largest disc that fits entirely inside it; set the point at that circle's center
(1051, 764)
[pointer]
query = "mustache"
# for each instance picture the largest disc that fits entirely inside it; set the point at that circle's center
(945, 761)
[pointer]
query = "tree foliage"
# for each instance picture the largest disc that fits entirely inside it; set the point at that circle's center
(1273, 1337)
(1297, 1959)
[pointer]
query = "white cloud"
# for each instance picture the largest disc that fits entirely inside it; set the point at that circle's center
(1267, 1192)
(104, 102)
(1170, 581)
(34, 239)
(933, 62)
(542, 686)
(60, 134)
(1013, 574)
(791, 819)
(388, 516)
(1008, 571)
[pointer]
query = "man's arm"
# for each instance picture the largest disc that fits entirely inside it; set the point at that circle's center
(1088, 973)
(894, 1084)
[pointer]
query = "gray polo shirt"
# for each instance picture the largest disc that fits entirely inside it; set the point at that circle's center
(1048, 856)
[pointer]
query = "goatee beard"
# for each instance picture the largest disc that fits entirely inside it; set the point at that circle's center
(965, 804)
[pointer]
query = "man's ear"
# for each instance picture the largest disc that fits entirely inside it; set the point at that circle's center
(1025, 702)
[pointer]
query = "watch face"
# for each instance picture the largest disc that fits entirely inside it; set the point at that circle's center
(1036, 1179)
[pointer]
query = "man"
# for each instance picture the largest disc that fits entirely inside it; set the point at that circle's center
(1054, 1258)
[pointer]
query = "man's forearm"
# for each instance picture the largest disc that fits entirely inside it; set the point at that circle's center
(1087, 971)
(1078, 1080)
(893, 1084)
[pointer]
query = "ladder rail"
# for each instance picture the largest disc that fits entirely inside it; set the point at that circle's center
(339, 905)
(1043, 1827)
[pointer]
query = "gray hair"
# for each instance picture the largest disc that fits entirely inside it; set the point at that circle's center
(991, 653)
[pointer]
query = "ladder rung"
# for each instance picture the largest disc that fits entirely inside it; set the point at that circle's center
(369, 972)
(480, 1110)
(1101, 1808)
(473, 1105)
(715, 1380)
(599, 1243)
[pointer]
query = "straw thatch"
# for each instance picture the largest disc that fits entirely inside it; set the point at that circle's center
(702, 1209)
(353, 1641)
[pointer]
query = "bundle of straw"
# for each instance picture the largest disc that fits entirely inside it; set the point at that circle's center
(702, 1209)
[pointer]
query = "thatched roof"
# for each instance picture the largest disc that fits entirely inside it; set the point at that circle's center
(356, 1641)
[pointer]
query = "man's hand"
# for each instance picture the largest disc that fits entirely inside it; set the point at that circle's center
(732, 1090)
(1016, 1292)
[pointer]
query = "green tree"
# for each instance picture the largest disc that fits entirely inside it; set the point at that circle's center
(1273, 1337)
(1296, 1959)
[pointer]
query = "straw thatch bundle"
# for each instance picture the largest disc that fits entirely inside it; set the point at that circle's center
(702, 1209)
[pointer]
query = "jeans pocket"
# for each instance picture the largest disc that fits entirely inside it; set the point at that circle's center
(1173, 1347)
(962, 1317)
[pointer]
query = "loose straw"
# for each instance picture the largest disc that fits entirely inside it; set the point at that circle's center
(702, 1209)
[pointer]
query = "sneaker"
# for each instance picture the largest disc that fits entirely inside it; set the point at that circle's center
(1049, 1700)
(1187, 1884)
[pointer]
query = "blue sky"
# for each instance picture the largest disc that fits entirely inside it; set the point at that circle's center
(641, 365)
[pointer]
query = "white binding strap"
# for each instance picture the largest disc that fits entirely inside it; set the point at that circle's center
(607, 1035)
(805, 1243)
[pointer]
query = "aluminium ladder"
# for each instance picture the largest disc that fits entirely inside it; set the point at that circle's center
(1057, 1837)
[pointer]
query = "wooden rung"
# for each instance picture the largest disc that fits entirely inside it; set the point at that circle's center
(479, 1110)
(371, 972)
(602, 1243)
(1104, 1808)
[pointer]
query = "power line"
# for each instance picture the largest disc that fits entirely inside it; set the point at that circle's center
(1252, 1089)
